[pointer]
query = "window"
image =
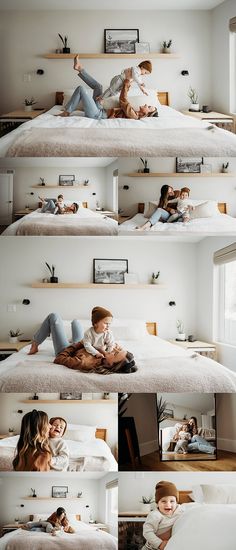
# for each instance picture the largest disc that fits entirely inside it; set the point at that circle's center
(232, 64)
(112, 506)
(225, 259)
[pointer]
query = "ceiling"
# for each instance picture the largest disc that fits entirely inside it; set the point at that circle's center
(55, 162)
(108, 5)
(201, 402)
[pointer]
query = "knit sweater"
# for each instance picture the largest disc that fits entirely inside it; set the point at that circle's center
(157, 524)
(125, 110)
(60, 454)
(93, 341)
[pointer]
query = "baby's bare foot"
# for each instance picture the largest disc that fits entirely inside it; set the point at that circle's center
(77, 64)
(34, 348)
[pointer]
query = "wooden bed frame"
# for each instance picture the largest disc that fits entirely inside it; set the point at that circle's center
(152, 328)
(222, 206)
(101, 433)
(164, 98)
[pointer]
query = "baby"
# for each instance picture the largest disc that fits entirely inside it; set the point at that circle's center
(59, 449)
(132, 74)
(52, 206)
(184, 436)
(183, 207)
(158, 525)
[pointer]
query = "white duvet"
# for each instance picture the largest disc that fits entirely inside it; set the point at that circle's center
(83, 455)
(221, 223)
(162, 366)
(84, 222)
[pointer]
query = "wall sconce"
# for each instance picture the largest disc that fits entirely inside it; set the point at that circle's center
(125, 187)
(172, 303)
(185, 73)
(20, 411)
(40, 72)
(26, 302)
(94, 194)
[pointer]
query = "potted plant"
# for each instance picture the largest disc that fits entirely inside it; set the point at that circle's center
(166, 46)
(64, 42)
(42, 182)
(34, 493)
(146, 170)
(180, 328)
(146, 504)
(28, 103)
(53, 279)
(13, 335)
(11, 431)
(225, 168)
(193, 96)
(155, 277)
(161, 416)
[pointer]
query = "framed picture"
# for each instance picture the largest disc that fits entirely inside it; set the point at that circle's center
(142, 47)
(70, 395)
(66, 180)
(109, 271)
(188, 165)
(120, 40)
(59, 491)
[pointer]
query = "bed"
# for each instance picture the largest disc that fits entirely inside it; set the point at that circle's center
(84, 222)
(162, 367)
(86, 537)
(88, 450)
(168, 442)
(169, 134)
(217, 223)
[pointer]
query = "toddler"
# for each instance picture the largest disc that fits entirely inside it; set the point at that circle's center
(158, 525)
(59, 449)
(132, 74)
(51, 205)
(184, 436)
(183, 207)
(59, 522)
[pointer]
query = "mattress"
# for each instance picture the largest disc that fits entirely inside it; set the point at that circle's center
(169, 134)
(221, 224)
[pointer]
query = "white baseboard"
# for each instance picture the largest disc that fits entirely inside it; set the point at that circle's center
(226, 444)
(148, 447)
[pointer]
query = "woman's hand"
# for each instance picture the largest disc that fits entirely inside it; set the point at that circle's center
(172, 211)
(163, 545)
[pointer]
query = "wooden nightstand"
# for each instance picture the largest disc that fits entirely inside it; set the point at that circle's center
(12, 120)
(7, 348)
(218, 119)
(203, 348)
(21, 213)
(122, 219)
(10, 527)
(4, 436)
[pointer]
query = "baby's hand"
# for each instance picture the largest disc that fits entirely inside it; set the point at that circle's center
(98, 355)
(163, 545)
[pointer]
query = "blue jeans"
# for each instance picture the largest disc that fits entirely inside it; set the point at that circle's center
(49, 206)
(91, 107)
(200, 445)
(159, 213)
(53, 325)
(40, 526)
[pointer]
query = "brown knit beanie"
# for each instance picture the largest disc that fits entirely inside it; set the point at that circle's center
(166, 489)
(146, 65)
(185, 190)
(99, 313)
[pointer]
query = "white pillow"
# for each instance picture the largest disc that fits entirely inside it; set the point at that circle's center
(40, 517)
(149, 208)
(219, 494)
(128, 329)
(77, 432)
(197, 494)
(208, 209)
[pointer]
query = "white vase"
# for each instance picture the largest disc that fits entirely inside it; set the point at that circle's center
(155, 281)
(181, 336)
(28, 108)
(194, 107)
(13, 339)
(145, 507)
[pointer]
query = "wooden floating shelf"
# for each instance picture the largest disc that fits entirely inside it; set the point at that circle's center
(52, 498)
(80, 401)
(95, 286)
(79, 185)
(150, 55)
(179, 175)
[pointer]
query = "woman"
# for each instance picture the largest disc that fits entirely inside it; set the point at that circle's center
(53, 326)
(92, 106)
(164, 209)
(33, 453)
(198, 443)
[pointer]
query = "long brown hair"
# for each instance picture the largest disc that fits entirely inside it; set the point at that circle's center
(193, 429)
(164, 196)
(33, 452)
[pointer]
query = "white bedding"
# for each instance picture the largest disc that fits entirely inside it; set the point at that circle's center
(162, 367)
(83, 455)
(173, 134)
(87, 537)
(215, 225)
(84, 222)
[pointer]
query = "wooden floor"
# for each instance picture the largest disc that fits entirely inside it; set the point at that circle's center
(188, 456)
(225, 461)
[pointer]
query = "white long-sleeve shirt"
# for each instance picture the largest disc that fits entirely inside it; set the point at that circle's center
(157, 524)
(60, 454)
(134, 73)
(93, 341)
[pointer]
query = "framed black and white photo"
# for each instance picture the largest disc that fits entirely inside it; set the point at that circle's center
(142, 47)
(59, 491)
(68, 396)
(66, 180)
(188, 165)
(120, 40)
(106, 271)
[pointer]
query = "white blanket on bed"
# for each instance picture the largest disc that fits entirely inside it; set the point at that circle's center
(215, 225)
(162, 366)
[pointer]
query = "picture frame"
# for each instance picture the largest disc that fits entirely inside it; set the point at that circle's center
(68, 396)
(142, 47)
(65, 180)
(59, 491)
(109, 271)
(121, 41)
(188, 165)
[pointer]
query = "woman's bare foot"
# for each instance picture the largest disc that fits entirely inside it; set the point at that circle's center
(77, 64)
(34, 348)
(144, 227)
(53, 533)
(63, 114)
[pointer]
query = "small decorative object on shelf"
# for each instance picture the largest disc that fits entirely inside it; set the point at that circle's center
(193, 96)
(86, 182)
(53, 279)
(146, 170)
(146, 503)
(181, 333)
(79, 494)
(11, 431)
(225, 168)
(35, 397)
(42, 182)
(64, 42)
(28, 103)
(106, 395)
(166, 46)
(155, 277)
(14, 335)
(33, 493)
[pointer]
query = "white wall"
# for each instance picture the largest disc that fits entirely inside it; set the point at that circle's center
(143, 407)
(27, 36)
(226, 427)
(102, 415)
(102, 500)
(221, 55)
(221, 189)
(206, 311)
(23, 262)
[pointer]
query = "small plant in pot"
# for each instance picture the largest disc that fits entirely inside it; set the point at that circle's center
(225, 167)
(155, 277)
(11, 431)
(64, 42)
(146, 503)
(181, 332)
(146, 170)
(193, 96)
(28, 103)
(51, 269)
(166, 46)
(33, 493)
(13, 335)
